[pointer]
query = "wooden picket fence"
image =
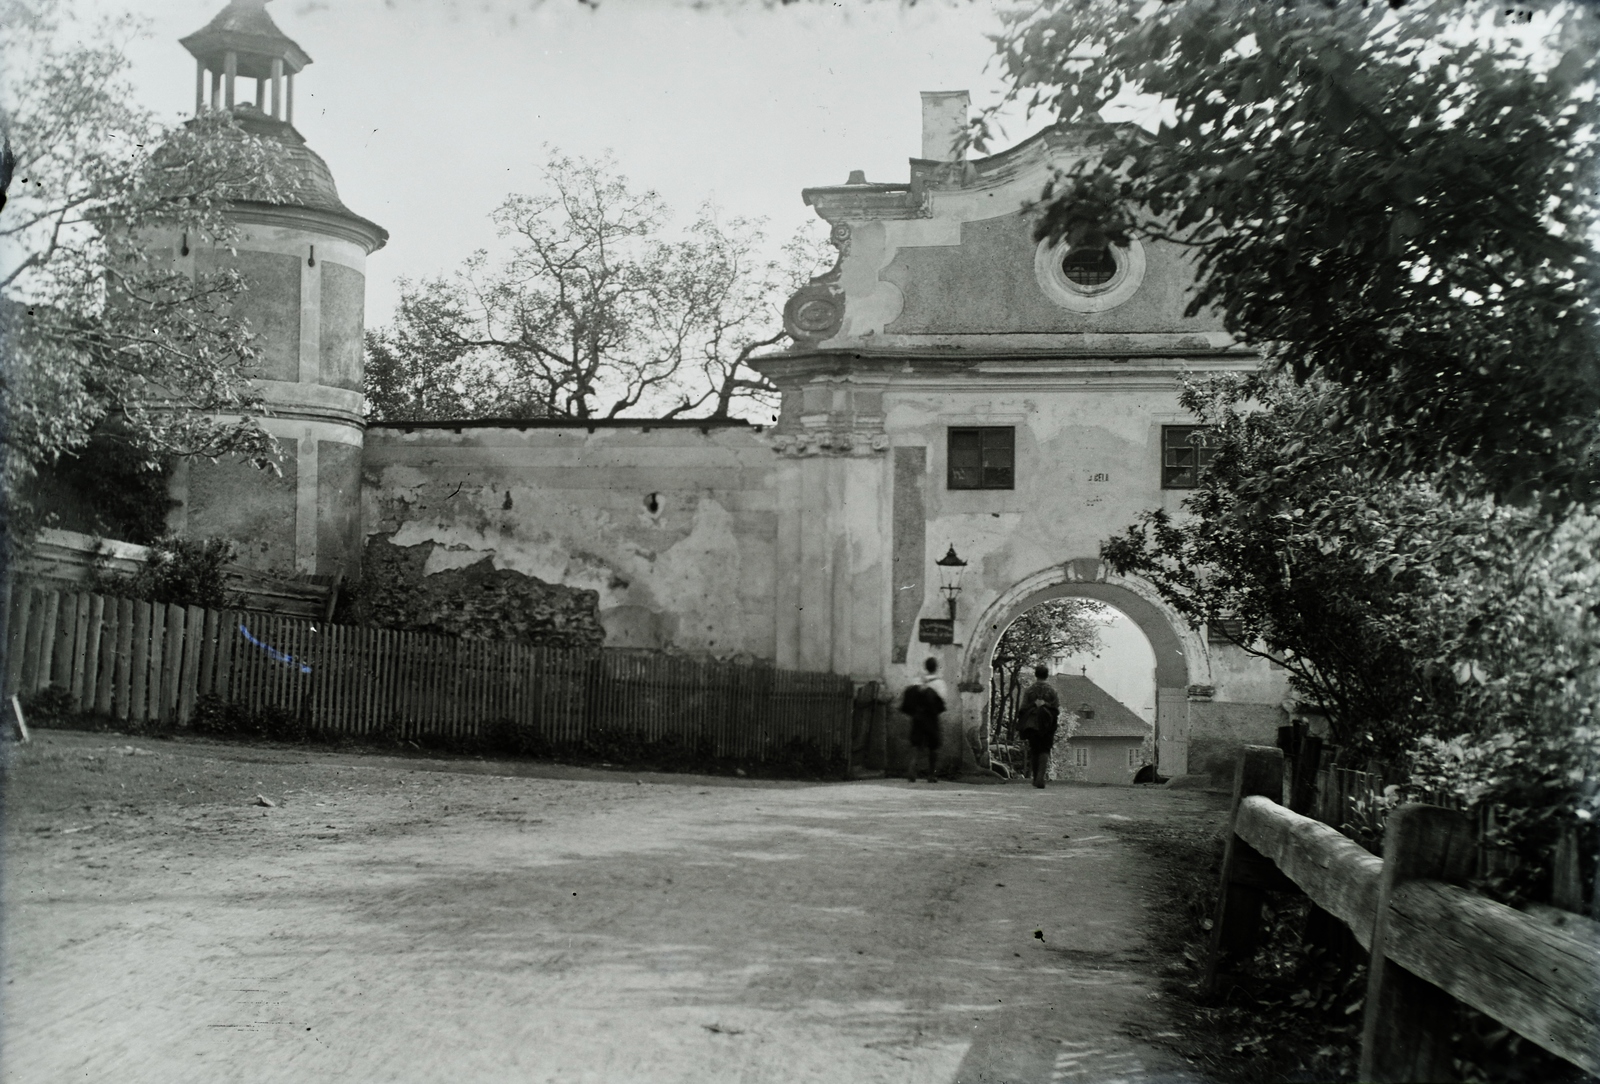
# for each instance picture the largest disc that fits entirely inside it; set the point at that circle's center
(144, 662)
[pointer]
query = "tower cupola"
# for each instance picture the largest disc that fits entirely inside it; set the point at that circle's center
(243, 42)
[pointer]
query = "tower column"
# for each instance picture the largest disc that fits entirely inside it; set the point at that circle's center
(277, 88)
(230, 72)
(216, 88)
(289, 101)
(199, 86)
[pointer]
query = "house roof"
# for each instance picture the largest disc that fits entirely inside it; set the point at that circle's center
(1111, 718)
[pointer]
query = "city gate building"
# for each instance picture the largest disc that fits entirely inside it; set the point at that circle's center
(952, 386)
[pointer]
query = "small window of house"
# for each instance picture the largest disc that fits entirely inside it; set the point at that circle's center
(1133, 756)
(1225, 630)
(1184, 450)
(982, 458)
(1080, 756)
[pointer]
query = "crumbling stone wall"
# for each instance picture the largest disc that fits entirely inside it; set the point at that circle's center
(476, 601)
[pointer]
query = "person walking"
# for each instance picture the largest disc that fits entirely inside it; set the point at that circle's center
(1037, 717)
(924, 702)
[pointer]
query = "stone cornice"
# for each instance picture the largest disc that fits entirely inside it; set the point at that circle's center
(313, 402)
(1010, 368)
(353, 228)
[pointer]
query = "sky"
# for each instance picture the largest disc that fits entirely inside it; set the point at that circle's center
(430, 112)
(1125, 666)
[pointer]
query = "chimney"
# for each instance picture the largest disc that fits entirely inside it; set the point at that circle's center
(944, 120)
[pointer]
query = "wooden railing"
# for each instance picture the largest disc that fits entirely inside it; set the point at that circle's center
(1431, 942)
(143, 662)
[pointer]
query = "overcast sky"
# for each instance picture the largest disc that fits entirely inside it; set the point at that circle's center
(430, 111)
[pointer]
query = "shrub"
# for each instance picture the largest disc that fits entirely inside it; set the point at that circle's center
(181, 571)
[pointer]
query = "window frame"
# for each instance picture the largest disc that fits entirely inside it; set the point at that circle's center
(1080, 756)
(983, 434)
(1203, 453)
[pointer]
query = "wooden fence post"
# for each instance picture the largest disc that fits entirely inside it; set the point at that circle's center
(1566, 882)
(1406, 1030)
(1245, 874)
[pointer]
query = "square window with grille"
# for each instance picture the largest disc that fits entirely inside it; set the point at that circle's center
(982, 458)
(1080, 756)
(1184, 450)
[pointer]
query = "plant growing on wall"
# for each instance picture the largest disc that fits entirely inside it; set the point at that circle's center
(598, 311)
(102, 337)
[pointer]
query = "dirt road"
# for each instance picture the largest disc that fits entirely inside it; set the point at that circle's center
(432, 920)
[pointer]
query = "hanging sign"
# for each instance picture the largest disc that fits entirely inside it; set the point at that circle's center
(936, 630)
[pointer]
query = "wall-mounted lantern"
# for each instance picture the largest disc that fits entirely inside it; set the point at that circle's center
(942, 630)
(950, 567)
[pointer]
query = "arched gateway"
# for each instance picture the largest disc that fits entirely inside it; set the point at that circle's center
(1181, 660)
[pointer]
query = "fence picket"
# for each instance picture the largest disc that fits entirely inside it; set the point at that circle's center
(124, 659)
(17, 637)
(189, 681)
(47, 641)
(91, 652)
(105, 680)
(172, 661)
(139, 664)
(61, 657)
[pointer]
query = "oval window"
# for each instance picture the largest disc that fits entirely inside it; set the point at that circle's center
(1089, 267)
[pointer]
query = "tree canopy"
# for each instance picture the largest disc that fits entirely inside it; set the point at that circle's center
(598, 311)
(1401, 199)
(1396, 206)
(1063, 626)
(103, 337)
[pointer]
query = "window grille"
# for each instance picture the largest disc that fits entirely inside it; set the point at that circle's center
(1184, 452)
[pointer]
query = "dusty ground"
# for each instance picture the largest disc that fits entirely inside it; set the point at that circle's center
(393, 919)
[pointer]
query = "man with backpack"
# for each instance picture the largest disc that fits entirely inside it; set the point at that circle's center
(924, 702)
(1037, 718)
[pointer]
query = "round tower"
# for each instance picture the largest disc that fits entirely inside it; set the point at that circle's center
(304, 264)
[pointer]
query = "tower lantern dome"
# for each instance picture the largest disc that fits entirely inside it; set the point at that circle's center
(243, 42)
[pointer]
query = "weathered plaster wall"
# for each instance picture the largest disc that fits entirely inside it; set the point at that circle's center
(342, 319)
(232, 499)
(992, 288)
(338, 509)
(269, 303)
(1238, 675)
(675, 529)
(1086, 464)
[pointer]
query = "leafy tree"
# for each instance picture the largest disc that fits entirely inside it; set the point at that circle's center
(102, 339)
(595, 313)
(1396, 206)
(1063, 626)
(1401, 200)
(1450, 634)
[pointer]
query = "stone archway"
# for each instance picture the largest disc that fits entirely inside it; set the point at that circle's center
(1180, 653)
